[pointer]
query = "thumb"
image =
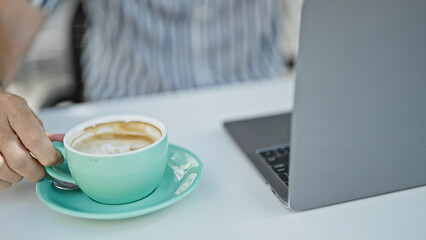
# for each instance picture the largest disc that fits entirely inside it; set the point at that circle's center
(59, 137)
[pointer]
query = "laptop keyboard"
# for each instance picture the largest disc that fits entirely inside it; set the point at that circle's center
(278, 159)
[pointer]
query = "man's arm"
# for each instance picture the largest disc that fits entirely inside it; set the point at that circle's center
(21, 134)
(292, 10)
(19, 24)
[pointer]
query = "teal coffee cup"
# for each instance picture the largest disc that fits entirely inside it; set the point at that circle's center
(115, 159)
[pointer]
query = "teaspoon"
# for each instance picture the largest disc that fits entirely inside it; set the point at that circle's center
(64, 185)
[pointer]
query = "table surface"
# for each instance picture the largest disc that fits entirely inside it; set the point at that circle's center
(231, 200)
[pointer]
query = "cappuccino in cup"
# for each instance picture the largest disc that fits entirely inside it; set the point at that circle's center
(115, 159)
(116, 137)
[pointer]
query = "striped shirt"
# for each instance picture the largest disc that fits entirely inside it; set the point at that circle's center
(136, 47)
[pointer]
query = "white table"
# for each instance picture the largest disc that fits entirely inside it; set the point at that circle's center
(231, 202)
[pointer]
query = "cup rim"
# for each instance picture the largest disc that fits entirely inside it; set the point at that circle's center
(113, 118)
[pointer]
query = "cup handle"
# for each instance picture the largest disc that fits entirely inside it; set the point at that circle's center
(60, 172)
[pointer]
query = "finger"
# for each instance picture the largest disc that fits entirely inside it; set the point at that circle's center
(33, 136)
(38, 119)
(8, 174)
(4, 184)
(59, 137)
(18, 158)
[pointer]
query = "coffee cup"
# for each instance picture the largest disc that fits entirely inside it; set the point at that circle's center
(115, 159)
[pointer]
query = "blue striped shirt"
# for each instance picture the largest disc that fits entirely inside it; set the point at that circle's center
(138, 47)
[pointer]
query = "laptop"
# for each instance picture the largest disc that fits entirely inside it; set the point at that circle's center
(358, 126)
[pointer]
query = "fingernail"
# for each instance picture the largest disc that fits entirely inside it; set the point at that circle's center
(61, 159)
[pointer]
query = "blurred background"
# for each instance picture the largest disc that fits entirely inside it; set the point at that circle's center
(47, 68)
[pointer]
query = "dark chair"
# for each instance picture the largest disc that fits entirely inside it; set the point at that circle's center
(74, 94)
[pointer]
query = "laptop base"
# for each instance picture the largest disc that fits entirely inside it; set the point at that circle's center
(263, 133)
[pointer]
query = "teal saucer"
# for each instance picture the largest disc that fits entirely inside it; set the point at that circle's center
(183, 173)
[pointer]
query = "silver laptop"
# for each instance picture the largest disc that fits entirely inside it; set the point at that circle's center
(358, 127)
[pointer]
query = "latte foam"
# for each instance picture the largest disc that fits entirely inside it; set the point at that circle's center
(116, 137)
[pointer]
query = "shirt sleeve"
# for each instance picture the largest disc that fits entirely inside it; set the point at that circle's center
(47, 6)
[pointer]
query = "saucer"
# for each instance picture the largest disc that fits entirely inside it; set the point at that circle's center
(182, 175)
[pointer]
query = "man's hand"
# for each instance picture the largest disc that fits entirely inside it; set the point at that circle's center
(21, 132)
